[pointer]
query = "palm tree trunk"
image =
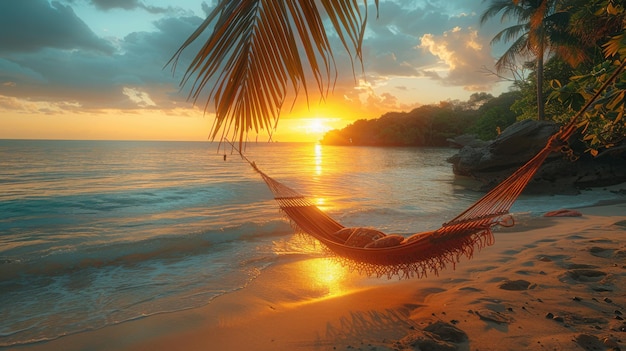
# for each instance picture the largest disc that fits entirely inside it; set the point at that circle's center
(540, 102)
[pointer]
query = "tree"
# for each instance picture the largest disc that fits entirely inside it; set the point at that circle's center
(555, 69)
(604, 124)
(252, 58)
(495, 115)
(541, 27)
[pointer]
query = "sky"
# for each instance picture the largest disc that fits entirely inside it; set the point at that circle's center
(97, 69)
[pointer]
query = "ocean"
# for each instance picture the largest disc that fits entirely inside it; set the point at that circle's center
(95, 233)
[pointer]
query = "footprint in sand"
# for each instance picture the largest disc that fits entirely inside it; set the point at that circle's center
(438, 336)
(580, 266)
(620, 254)
(589, 342)
(515, 285)
(601, 251)
(585, 275)
(620, 224)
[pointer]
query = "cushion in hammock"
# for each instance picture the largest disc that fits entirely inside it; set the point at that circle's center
(363, 236)
(386, 241)
(416, 237)
(344, 233)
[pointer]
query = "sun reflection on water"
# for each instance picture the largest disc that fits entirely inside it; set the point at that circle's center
(320, 202)
(318, 169)
(318, 276)
(326, 276)
(318, 159)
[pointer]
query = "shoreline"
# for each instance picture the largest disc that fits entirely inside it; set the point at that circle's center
(561, 284)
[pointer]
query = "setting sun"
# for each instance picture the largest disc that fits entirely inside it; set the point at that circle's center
(316, 125)
(302, 128)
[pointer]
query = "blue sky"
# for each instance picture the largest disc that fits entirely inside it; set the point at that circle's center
(79, 68)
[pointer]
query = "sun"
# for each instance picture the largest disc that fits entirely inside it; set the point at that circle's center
(311, 128)
(316, 125)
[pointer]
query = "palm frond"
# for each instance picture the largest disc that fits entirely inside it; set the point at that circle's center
(519, 48)
(510, 33)
(260, 50)
(496, 7)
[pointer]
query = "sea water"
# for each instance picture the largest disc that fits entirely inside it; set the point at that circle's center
(94, 233)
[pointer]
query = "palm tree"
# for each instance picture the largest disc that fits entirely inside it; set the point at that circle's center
(541, 27)
(260, 50)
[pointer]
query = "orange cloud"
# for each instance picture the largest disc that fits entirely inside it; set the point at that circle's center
(462, 53)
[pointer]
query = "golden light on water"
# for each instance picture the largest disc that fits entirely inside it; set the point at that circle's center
(315, 277)
(318, 170)
(320, 202)
(326, 276)
(318, 159)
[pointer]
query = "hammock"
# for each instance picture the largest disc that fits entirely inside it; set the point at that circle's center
(420, 253)
(424, 252)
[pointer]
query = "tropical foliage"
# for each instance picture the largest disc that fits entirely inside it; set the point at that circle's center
(604, 123)
(251, 59)
(583, 60)
(431, 125)
(541, 28)
(424, 126)
(525, 107)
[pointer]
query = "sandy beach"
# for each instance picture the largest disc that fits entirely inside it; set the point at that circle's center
(549, 283)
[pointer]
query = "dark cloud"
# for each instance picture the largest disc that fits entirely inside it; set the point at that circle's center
(28, 26)
(99, 81)
(114, 4)
(117, 4)
(128, 5)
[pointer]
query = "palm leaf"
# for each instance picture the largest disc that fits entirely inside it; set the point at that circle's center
(519, 48)
(260, 50)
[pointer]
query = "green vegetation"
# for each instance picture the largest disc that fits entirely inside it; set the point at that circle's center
(431, 125)
(541, 27)
(604, 124)
(579, 61)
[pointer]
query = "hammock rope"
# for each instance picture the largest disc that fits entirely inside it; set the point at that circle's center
(431, 251)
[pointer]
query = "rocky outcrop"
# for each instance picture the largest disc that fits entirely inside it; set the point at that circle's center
(466, 140)
(493, 162)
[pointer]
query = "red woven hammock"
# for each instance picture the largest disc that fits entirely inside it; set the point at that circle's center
(429, 251)
(424, 252)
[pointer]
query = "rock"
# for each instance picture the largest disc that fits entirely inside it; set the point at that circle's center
(608, 342)
(517, 144)
(558, 319)
(493, 316)
(493, 162)
(466, 140)
(586, 275)
(447, 332)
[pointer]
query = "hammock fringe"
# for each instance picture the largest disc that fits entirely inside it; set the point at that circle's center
(420, 254)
